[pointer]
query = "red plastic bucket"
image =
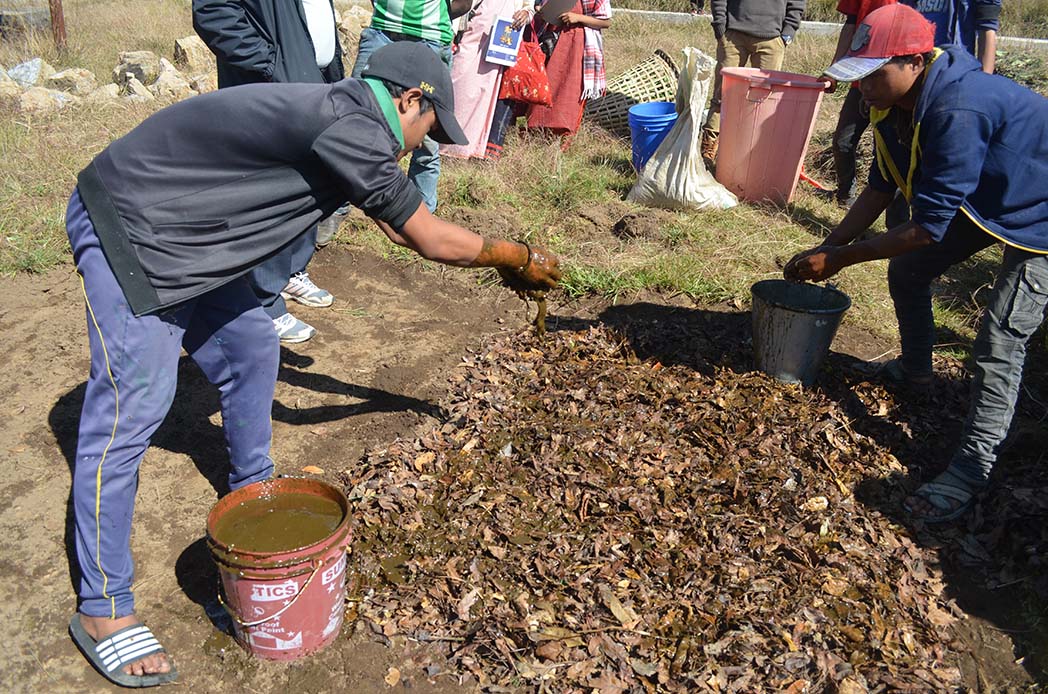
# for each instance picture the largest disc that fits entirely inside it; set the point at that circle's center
(290, 603)
(767, 118)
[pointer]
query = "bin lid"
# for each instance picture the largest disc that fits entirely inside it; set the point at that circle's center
(761, 77)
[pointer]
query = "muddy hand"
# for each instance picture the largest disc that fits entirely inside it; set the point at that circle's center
(541, 272)
(812, 265)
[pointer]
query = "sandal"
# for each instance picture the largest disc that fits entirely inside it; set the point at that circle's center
(894, 372)
(119, 649)
(950, 496)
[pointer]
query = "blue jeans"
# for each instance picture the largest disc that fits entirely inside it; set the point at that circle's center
(910, 278)
(424, 169)
(270, 277)
(1015, 311)
(134, 368)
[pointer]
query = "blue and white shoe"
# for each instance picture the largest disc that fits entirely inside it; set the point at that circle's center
(301, 289)
(291, 330)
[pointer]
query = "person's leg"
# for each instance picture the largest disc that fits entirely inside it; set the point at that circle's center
(909, 281)
(852, 123)
(728, 55)
(370, 41)
(134, 366)
(1015, 311)
(232, 340)
(501, 121)
(767, 54)
(424, 169)
(268, 281)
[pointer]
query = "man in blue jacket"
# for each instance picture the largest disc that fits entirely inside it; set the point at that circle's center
(276, 41)
(969, 151)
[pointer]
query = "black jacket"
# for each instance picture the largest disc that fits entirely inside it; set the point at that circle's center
(763, 19)
(205, 189)
(261, 41)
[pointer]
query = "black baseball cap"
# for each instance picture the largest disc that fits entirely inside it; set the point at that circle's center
(411, 64)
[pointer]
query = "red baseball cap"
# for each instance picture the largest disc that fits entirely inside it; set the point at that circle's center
(885, 33)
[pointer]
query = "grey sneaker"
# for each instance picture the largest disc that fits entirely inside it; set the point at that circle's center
(327, 228)
(291, 330)
(301, 289)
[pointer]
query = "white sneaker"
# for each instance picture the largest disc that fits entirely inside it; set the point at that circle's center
(291, 330)
(301, 289)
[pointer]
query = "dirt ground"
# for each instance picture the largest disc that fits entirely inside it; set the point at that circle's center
(376, 371)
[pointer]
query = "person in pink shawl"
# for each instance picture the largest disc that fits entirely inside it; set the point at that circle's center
(476, 81)
(575, 68)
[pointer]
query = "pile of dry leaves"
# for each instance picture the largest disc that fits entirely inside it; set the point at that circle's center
(586, 520)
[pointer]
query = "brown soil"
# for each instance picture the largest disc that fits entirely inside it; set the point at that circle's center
(643, 224)
(376, 372)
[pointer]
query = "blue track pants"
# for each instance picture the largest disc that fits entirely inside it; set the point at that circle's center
(134, 367)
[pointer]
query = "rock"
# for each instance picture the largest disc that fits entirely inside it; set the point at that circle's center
(352, 17)
(143, 65)
(75, 80)
(207, 82)
(8, 87)
(31, 73)
(170, 84)
(193, 56)
(137, 91)
(23, 21)
(105, 93)
(40, 100)
(344, 6)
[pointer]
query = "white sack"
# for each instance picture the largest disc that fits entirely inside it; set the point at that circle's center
(675, 177)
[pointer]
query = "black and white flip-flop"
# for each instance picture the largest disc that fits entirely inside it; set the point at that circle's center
(118, 649)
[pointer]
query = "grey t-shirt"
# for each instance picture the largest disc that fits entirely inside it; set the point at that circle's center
(204, 190)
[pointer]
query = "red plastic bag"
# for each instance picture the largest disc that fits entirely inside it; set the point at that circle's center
(527, 81)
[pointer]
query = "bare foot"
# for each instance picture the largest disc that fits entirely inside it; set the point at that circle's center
(101, 627)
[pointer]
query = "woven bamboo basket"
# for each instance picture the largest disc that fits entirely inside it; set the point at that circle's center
(655, 79)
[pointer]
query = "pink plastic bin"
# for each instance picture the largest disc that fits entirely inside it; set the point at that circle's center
(767, 118)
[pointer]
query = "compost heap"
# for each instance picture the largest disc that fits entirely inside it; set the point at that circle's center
(588, 520)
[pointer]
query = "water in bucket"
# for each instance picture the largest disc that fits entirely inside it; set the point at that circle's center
(793, 326)
(649, 125)
(280, 547)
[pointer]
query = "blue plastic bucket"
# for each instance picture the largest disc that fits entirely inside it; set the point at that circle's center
(649, 125)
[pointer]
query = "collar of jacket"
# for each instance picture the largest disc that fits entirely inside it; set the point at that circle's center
(889, 169)
(389, 109)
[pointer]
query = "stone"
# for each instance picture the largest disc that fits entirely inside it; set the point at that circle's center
(193, 56)
(144, 66)
(105, 93)
(170, 84)
(40, 100)
(24, 21)
(75, 80)
(134, 88)
(353, 17)
(31, 73)
(201, 84)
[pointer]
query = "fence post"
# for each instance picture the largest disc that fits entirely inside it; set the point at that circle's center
(58, 24)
